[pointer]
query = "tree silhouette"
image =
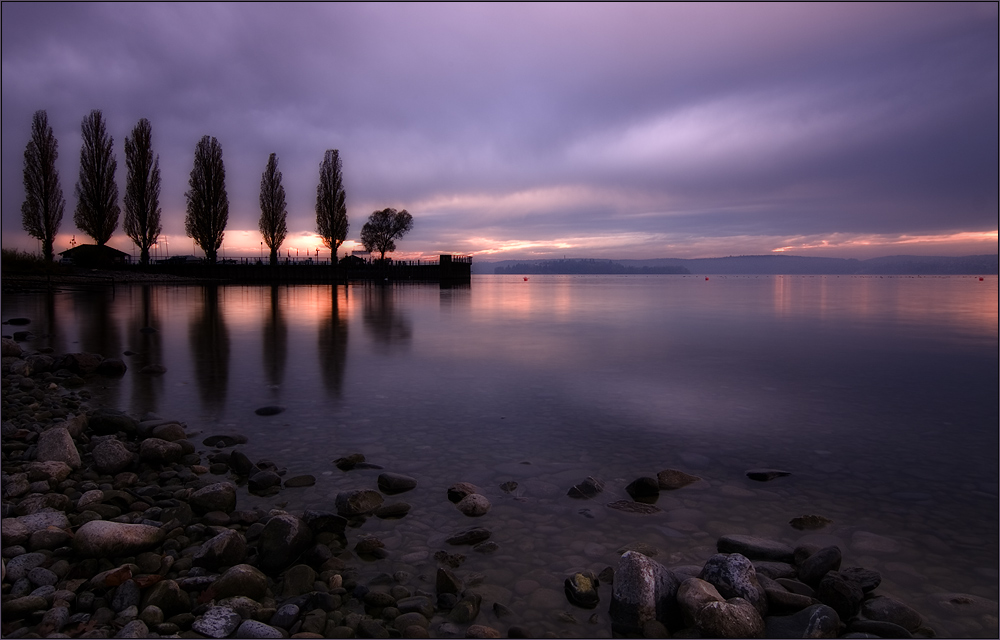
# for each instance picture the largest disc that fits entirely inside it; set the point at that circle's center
(207, 202)
(272, 208)
(142, 189)
(97, 207)
(331, 210)
(42, 210)
(383, 228)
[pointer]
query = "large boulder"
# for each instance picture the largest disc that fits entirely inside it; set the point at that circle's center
(734, 618)
(693, 595)
(103, 538)
(735, 577)
(643, 591)
(283, 539)
(56, 444)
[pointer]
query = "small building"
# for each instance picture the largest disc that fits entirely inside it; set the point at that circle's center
(95, 256)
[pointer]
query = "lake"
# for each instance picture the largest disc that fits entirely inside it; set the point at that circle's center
(878, 394)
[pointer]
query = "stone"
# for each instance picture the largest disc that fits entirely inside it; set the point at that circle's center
(169, 431)
(283, 538)
(20, 607)
(416, 604)
(644, 489)
(394, 510)
(222, 441)
(474, 505)
(49, 538)
(56, 444)
(126, 595)
(153, 369)
(111, 457)
(756, 548)
(358, 502)
(226, 549)
(158, 452)
(766, 475)
(447, 582)
(109, 421)
(324, 522)
(643, 590)
(780, 600)
(467, 609)
(694, 594)
(300, 481)
(843, 596)
(474, 535)
(257, 629)
(629, 506)
(50, 470)
(809, 522)
(349, 462)
(816, 621)
(263, 480)
(817, 565)
(270, 410)
(867, 579)
(589, 488)
(774, 570)
(393, 483)
(82, 363)
(734, 618)
(112, 367)
(241, 580)
(168, 597)
(410, 619)
(886, 609)
(219, 496)
(735, 577)
(298, 580)
(508, 487)
(241, 464)
(102, 538)
(217, 622)
(18, 567)
(152, 616)
(459, 490)
(134, 629)
(11, 349)
(369, 545)
(581, 589)
(672, 479)
(481, 631)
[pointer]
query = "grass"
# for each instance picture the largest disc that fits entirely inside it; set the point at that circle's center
(15, 261)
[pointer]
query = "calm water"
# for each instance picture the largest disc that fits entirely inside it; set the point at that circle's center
(880, 395)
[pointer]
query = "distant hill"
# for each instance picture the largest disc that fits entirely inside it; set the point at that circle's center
(754, 265)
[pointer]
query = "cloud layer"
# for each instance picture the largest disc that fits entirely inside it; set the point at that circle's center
(629, 131)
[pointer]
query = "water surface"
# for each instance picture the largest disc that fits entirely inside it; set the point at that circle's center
(878, 394)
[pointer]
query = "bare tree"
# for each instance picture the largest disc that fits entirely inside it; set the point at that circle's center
(384, 228)
(273, 211)
(97, 207)
(331, 210)
(142, 189)
(44, 204)
(207, 202)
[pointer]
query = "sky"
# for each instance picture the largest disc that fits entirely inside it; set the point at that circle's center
(629, 131)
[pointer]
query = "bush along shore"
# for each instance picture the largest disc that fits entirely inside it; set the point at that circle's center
(115, 526)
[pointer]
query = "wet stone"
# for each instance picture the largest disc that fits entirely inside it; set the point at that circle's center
(581, 589)
(589, 488)
(644, 489)
(270, 410)
(217, 622)
(393, 510)
(813, 568)
(300, 481)
(393, 483)
(766, 475)
(816, 621)
(867, 579)
(629, 506)
(809, 522)
(756, 548)
(469, 536)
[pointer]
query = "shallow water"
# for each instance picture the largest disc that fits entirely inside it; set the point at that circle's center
(879, 395)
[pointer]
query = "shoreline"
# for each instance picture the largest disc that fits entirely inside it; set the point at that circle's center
(193, 567)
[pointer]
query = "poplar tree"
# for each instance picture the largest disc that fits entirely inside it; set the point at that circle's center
(207, 202)
(42, 210)
(273, 211)
(142, 189)
(331, 209)
(97, 207)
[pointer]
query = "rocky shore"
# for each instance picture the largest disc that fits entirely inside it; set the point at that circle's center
(126, 526)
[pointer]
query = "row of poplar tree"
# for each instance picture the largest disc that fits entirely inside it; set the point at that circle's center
(97, 210)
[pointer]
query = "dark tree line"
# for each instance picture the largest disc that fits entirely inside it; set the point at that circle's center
(97, 210)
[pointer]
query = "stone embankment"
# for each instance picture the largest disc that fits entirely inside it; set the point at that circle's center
(119, 527)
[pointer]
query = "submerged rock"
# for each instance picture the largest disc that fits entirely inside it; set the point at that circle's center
(766, 475)
(809, 522)
(581, 589)
(628, 506)
(672, 479)
(589, 488)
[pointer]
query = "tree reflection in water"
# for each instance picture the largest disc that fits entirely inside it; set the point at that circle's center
(333, 341)
(209, 339)
(144, 334)
(275, 342)
(386, 324)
